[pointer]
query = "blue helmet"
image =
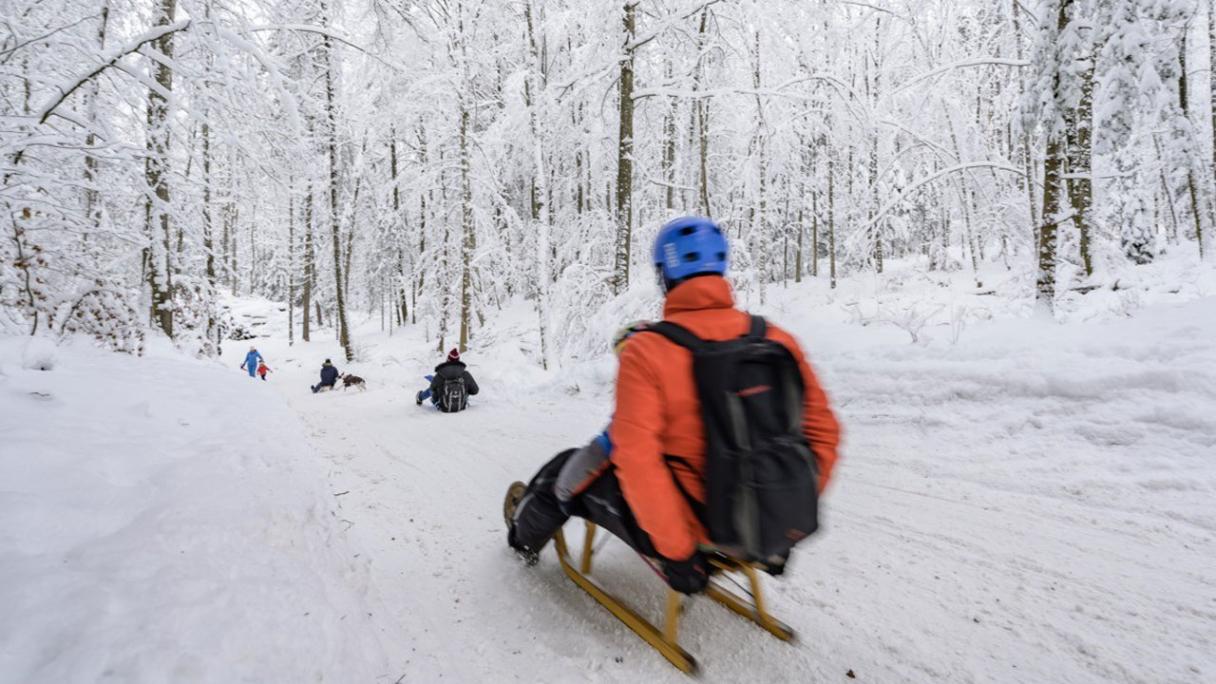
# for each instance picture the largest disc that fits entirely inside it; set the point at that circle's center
(689, 246)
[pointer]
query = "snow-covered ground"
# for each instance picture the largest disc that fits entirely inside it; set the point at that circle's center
(1018, 500)
(164, 521)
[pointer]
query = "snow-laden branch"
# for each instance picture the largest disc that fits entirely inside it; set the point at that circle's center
(667, 23)
(270, 68)
(109, 60)
(323, 31)
(932, 178)
(869, 6)
(7, 53)
(978, 61)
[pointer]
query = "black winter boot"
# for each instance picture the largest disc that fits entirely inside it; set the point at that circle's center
(515, 494)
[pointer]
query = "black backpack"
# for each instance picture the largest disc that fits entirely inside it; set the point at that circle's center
(761, 477)
(454, 396)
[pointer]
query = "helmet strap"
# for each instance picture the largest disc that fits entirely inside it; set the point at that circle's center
(664, 284)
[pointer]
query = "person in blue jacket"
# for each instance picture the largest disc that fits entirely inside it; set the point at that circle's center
(329, 377)
(252, 359)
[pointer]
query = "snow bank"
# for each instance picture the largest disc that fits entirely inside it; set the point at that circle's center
(165, 522)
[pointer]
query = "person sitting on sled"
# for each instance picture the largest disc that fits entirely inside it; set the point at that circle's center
(652, 473)
(329, 377)
(451, 385)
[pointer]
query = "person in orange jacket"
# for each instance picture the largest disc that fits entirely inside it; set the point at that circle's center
(263, 369)
(655, 453)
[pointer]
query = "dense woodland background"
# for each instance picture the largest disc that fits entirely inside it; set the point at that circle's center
(436, 160)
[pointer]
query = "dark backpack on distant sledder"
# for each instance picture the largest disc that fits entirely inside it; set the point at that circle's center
(761, 479)
(453, 396)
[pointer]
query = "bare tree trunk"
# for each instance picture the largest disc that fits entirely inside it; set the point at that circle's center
(1027, 147)
(1055, 161)
(231, 220)
(831, 217)
(624, 160)
(1212, 83)
(209, 229)
(339, 284)
(309, 265)
(801, 212)
(541, 213)
(445, 270)
(1172, 228)
(967, 198)
(758, 240)
(876, 225)
(291, 266)
(1184, 103)
(90, 162)
(420, 282)
(1078, 128)
(466, 229)
(814, 233)
(401, 305)
(669, 142)
(700, 120)
(798, 246)
(158, 255)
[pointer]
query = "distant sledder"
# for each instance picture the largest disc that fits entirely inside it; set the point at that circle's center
(451, 385)
(329, 377)
(252, 360)
(729, 488)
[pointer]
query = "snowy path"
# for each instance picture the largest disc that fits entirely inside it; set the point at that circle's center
(1003, 514)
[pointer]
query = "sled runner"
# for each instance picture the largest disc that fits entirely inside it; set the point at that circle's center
(666, 640)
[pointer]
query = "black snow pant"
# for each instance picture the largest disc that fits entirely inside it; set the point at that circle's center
(540, 514)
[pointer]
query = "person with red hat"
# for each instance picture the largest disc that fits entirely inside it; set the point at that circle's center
(451, 385)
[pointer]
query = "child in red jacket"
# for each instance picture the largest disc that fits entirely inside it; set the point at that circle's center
(263, 369)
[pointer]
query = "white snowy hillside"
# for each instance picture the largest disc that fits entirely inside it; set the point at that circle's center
(990, 223)
(1020, 500)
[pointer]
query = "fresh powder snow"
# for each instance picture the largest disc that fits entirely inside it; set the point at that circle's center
(1022, 501)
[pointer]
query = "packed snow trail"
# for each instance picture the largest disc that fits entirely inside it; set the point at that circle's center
(1032, 505)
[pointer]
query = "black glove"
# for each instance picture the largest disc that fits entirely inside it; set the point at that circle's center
(687, 576)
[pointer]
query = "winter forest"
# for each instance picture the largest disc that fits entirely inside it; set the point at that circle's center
(238, 236)
(430, 161)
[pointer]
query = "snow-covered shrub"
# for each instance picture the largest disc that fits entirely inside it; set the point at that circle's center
(856, 315)
(911, 319)
(25, 296)
(1139, 245)
(598, 325)
(197, 327)
(108, 317)
(958, 321)
(39, 354)
(579, 291)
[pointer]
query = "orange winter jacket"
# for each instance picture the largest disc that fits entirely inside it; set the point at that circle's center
(658, 414)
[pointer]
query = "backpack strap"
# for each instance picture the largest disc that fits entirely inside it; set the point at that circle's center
(758, 329)
(684, 337)
(677, 334)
